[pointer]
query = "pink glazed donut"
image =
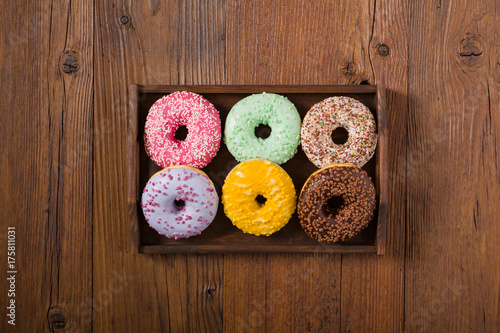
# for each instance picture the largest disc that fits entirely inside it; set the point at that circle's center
(178, 109)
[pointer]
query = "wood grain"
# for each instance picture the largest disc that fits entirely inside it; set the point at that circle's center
(279, 49)
(452, 267)
(66, 68)
(373, 290)
(161, 42)
(126, 52)
(47, 168)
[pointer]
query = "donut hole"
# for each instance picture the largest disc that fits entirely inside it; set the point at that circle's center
(263, 131)
(181, 133)
(340, 136)
(261, 200)
(179, 204)
(333, 205)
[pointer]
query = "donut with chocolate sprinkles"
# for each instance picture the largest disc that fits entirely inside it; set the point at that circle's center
(336, 203)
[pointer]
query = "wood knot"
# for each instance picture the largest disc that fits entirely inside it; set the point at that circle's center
(69, 62)
(470, 50)
(57, 319)
(211, 292)
(125, 20)
(383, 50)
(348, 68)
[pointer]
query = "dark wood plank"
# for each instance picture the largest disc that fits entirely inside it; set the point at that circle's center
(303, 293)
(128, 52)
(244, 293)
(46, 161)
(373, 290)
(157, 42)
(453, 253)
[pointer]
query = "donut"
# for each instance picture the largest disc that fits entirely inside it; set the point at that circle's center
(326, 116)
(336, 203)
(171, 112)
(272, 110)
(179, 202)
(258, 197)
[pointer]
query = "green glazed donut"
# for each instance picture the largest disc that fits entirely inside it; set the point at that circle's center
(267, 109)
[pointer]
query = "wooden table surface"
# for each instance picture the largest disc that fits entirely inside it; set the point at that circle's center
(65, 71)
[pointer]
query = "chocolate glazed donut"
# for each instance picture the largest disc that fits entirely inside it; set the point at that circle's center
(336, 203)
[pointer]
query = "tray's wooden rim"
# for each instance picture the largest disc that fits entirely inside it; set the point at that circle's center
(312, 249)
(381, 170)
(249, 89)
(133, 175)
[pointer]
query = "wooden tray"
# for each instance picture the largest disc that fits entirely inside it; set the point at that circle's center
(221, 236)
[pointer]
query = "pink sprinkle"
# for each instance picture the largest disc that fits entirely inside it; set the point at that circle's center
(197, 210)
(171, 212)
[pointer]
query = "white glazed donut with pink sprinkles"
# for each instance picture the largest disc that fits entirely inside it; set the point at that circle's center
(179, 202)
(203, 124)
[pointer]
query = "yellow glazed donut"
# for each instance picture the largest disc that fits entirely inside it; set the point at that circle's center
(258, 197)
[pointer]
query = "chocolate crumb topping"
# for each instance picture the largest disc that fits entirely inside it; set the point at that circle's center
(336, 203)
